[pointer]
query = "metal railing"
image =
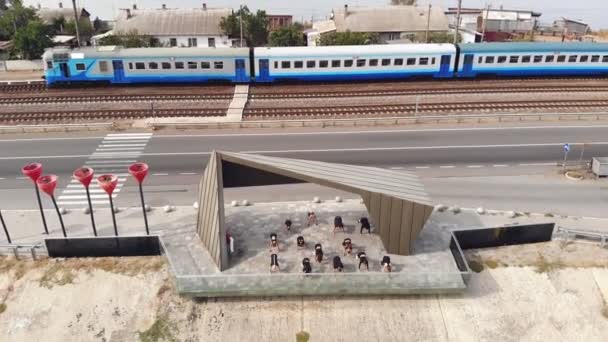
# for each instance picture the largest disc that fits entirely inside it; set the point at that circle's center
(576, 233)
(16, 250)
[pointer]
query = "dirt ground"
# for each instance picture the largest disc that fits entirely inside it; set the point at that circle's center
(133, 299)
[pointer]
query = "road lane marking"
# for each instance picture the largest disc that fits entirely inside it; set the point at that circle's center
(396, 168)
(160, 174)
(538, 164)
(447, 167)
(187, 173)
(423, 167)
(500, 165)
(475, 166)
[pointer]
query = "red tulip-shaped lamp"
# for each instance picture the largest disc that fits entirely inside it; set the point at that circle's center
(85, 175)
(48, 184)
(108, 184)
(139, 171)
(33, 171)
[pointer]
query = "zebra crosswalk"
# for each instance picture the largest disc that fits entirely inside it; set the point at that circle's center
(113, 155)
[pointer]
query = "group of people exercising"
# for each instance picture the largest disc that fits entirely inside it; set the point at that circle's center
(347, 246)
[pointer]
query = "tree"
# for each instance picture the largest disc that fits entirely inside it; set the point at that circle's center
(30, 41)
(84, 25)
(349, 38)
(15, 17)
(442, 37)
(130, 39)
(100, 26)
(291, 35)
(255, 26)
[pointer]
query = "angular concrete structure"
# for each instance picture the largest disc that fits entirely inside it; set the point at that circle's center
(396, 201)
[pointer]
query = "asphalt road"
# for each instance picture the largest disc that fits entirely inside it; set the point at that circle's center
(177, 159)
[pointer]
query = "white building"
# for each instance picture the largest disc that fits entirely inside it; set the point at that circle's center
(191, 27)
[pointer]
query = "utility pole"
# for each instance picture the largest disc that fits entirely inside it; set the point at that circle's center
(241, 23)
(76, 22)
(428, 25)
(485, 24)
(457, 22)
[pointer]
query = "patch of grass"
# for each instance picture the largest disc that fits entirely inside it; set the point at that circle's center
(491, 263)
(161, 330)
(163, 289)
(476, 266)
(549, 215)
(2, 307)
(302, 336)
(544, 266)
(57, 275)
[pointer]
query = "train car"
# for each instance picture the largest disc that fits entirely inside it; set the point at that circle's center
(532, 59)
(116, 65)
(340, 63)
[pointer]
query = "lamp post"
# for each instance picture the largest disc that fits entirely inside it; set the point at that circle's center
(85, 175)
(8, 236)
(140, 171)
(48, 184)
(108, 184)
(33, 171)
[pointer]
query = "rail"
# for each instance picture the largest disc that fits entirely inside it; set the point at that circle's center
(16, 248)
(382, 121)
(574, 233)
(55, 128)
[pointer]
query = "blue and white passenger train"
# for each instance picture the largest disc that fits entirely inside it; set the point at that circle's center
(118, 65)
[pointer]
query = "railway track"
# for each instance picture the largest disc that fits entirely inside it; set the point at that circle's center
(110, 98)
(20, 86)
(75, 116)
(429, 91)
(413, 109)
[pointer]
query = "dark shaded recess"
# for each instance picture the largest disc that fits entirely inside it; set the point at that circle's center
(103, 246)
(236, 175)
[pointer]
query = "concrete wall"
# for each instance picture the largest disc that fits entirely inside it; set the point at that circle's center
(21, 65)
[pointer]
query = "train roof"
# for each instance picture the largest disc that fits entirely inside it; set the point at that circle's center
(349, 50)
(531, 46)
(117, 51)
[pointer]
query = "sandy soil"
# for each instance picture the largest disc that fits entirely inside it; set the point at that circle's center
(132, 299)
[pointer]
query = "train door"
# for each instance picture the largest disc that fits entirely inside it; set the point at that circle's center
(119, 71)
(65, 70)
(467, 69)
(264, 72)
(444, 70)
(241, 72)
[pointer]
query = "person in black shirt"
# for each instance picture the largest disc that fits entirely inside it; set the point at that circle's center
(306, 267)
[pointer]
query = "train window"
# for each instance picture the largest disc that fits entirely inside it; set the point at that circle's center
(49, 64)
(433, 61)
(561, 59)
(572, 59)
(218, 65)
(323, 64)
(501, 59)
(166, 65)
(386, 61)
(538, 59)
(140, 66)
(80, 66)
(348, 63)
(549, 59)
(514, 59)
(130, 66)
(398, 61)
(298, 64)
(153, 65)
(526, 59)
(584, 59)
(205, 65)
(410, 61)
(179, 65)
(595, 59)
(192, 65)
(373, 62)
(311, 64)
(361, 62)
(103, 66)
(489, 59)
(336, 63)
(276, 64)
(605, 59)
(423, 61)
(480, 60)
(285, 64)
